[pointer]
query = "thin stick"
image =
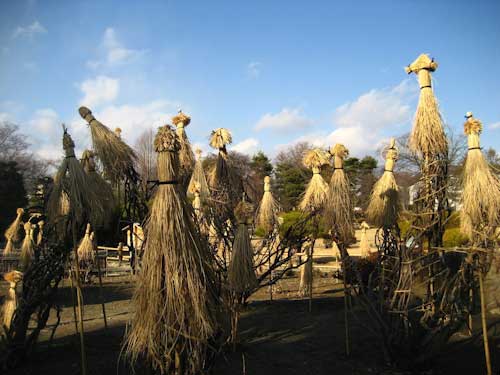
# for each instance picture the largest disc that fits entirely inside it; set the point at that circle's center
(485, 327)
(80, 307)
(100, 289)
(310, 265)
(72, 292)
(471, 299)
(270, 275)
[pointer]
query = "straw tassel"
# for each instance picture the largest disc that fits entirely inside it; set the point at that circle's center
(27, 248)
(13, 231)
(364, 246)
(186, 156)
(427, 136)
(267, 211)
(383, 209)
(481, 187)
(39, 236)
(9, 247)
(338, 207)
(10, 302)
(316, 191)
(241, 274)
(116, 156)
(198, 177)
(174, 301)
(86, 248)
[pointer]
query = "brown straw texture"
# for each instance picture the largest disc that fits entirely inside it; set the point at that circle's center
(314, 196)
(186, 156)
(28, 246)
(481, 187)
(364, 246)
(338, 207)
(427, 135)
(116, 156)
(240, 274)
(174, 299)
(198, 177)
(10, 303)
(85, 250)
(266, 216)
(383, 209)
(13, 231)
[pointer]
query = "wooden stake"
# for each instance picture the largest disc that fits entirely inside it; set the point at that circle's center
(80, 303)
(72, 293)
(100, 289)
(310, 265)
(346, 320)
(485, 327)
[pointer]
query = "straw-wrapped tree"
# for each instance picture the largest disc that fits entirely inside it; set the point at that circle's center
(175, 299)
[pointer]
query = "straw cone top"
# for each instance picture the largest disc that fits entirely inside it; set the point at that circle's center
(339, 150)
(68, 144)
(472, 125)
(88, 161)
(13, 276)
(244, 212)
(166, 140)
(220, 138)
(118, 132)
(316, 158)
(198, 153)
(181, 119)
(422, 62)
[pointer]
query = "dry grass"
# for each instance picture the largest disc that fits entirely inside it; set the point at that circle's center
(186, 156)
(175, 304)
(240, 274)
(219, 138)
(316, 190)
(28, 246)
(481, 187)
(10, 304)
(13, 231)
(86, 248)
(198, 177)
(116, 156)
(364, 246)
(9, 247)
(383, 209)
(267, 212)
(338, 207)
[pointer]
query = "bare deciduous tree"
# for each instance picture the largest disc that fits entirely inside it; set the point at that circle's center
(146, 156)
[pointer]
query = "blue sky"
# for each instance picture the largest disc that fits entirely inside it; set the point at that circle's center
(274, 72)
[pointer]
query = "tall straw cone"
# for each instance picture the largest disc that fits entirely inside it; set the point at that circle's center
(174, 300)
(27, 248)
(13, 231)
(241, 274)
(316, 191)
(186, 156)
(116, 156)
(10, 303)
(198, 177)
(364, 246)
(86, 248)
(267, 212)
(39, 236)
(306, 276)
(72, 193)
(338, 207)
(383, 209)
(427, 136)
(481, 187)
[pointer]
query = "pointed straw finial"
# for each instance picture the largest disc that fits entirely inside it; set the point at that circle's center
(220, 138)
(181, 120)
(198, 153)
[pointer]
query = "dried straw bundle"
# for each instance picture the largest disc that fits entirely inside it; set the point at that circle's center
(39, 236)
(383, 209)
(220, 138)
(86, 248)
(481, 187)
(240, 274)
(364, 246)
(198, 177)
(28, 246)
(316, 191)
(72, 192)
(338, 207)
(13, 231)
(306, 276)
(10, 303)
(186, 156)
(9, 247)
(427, 136)
(267, 211)
(116, 156)
(99, 219)
(175, 303)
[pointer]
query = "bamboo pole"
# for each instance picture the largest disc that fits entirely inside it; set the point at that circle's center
(72, 293)
(79, 302)
(100, 288)
(485, 326)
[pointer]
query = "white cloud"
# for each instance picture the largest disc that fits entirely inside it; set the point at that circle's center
(377, 108)
(115, 52)
(248, 146)
(363, 124)
(29, 31)
(286, 119)
(254, 68)
(495, 125)
(99, 90)
(45, 121)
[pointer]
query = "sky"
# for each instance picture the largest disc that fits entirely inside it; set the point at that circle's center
(273, 72)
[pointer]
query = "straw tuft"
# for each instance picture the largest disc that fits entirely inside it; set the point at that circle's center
(186, 156)
(10, 303)
(316, 191)
(364, 246)
(266, 216)
(198, 180)
(13, 231)
(220, 138)
(28, 246)
(85, 250)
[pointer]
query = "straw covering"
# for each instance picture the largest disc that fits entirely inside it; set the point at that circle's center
(174, 300)
(186, 156)
(267, 211)
(198, 180)
(383, 209)
(10, 302)
(481, 187)
(316, 191)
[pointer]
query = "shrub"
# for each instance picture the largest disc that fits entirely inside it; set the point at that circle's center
(453, 237)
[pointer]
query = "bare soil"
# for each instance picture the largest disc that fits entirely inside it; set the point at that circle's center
(275, 337)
